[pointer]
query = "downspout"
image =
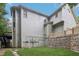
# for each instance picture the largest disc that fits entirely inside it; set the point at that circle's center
(19, 41)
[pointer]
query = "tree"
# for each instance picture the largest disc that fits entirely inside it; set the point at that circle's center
(2, 26)
(77, 19)
(72, 5)
(2, 19)
(2, 10)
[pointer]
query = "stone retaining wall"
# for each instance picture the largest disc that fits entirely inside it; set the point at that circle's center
(75, 42)
(67, 41)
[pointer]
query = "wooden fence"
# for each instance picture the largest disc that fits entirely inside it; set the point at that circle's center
(72, 31)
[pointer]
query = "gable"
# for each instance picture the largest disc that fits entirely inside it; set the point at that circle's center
(68, 17)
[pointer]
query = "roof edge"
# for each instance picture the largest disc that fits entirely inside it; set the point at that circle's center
(57, 10)
(29, 9)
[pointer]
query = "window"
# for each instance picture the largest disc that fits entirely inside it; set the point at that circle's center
(25, 13)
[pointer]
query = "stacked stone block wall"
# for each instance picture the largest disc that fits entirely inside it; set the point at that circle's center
(65, 41)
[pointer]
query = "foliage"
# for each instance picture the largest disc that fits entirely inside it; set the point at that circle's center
(3, 22)
(46, 52)
(77, 19)
(72, 4)
(8, 53)
(2, 10)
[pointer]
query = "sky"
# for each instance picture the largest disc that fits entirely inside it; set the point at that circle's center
(45, 8)
(76, 10)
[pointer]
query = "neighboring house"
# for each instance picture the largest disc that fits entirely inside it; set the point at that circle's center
(27, 22)
(9, 25)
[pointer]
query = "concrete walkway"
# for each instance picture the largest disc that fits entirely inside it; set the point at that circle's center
(2, 51)
(15, 52)
(75, 51)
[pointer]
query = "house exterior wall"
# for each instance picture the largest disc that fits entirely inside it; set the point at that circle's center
(12, 32)
(57, 17)
(13, 29)
(64, 14)
(48, 29)
(16, 28)
(58, 28)
(31, 25)
(67, 16)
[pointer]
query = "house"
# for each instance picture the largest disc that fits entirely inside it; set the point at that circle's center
(26, 22)
(30, 23)
(9, 25)
(63, 20)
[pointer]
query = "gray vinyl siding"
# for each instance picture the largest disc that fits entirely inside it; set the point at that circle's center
(58, 27)
(58, 18)
(68, 18)
(31, 25)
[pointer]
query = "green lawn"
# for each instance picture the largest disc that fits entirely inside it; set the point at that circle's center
(8, 53)
(46, 52)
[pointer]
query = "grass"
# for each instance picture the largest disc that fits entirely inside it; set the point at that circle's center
(8, 53)
(46, 52)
